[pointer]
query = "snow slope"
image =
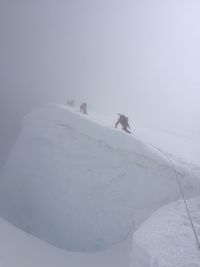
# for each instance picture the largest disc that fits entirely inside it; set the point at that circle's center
(166, 239)
(19, 249)
(81, 185)
(183, 147)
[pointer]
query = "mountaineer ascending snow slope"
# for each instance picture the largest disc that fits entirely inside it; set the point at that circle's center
(81, 185)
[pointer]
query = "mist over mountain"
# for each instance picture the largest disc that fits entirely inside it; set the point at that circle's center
(135, 57)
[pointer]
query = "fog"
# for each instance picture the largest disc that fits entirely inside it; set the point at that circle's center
(138, 57)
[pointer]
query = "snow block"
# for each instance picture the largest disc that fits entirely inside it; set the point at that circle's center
(82, 186)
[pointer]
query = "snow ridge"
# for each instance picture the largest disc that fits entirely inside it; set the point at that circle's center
(81, 185)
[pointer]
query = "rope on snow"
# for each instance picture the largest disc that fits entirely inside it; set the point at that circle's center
(182, 193)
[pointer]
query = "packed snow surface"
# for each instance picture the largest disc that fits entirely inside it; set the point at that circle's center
(81, 185)
(19, 249)
(166, 239)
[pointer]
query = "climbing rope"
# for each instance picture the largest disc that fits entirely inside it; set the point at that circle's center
(182, 193)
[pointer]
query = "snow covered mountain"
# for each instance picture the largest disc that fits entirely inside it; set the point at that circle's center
(79, 184)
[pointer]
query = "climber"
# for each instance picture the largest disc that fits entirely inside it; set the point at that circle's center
(123, 120)
(83, 108)
(70, 103)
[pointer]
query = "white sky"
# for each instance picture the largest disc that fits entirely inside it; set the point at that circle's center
(140, 57)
